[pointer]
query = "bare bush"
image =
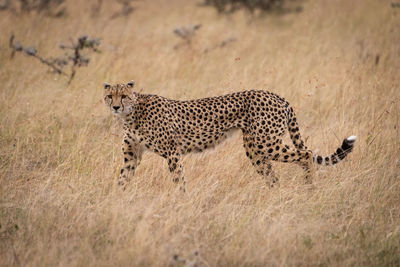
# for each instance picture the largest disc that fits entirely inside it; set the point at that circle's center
(78, 59)
(53, 8)
(186, 33)
(4, 4)
(56, 65)
(126, 9)
(230, 6)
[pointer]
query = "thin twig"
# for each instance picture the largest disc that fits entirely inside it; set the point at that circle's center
(50, 64)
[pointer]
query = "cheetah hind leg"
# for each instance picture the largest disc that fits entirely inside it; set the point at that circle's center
(304, 158)
(176, 168)
(263, 167)
(309, 169)
(261, 163)
(268, 173)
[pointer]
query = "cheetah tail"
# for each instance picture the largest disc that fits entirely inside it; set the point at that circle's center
(294, 131)
(339, 155)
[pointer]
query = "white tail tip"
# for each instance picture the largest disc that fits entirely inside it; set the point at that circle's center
(351, 138)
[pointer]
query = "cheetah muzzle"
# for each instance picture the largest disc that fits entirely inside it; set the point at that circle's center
(172, 128)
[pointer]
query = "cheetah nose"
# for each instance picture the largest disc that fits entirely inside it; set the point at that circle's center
(116, 108)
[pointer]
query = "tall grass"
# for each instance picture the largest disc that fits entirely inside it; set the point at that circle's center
(60, 147)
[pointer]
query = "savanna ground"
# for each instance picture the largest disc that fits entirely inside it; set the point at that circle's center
(337, 63)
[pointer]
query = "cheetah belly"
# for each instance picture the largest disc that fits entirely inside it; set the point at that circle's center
(202, 140)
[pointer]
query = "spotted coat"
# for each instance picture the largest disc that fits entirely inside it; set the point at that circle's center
(172, 128)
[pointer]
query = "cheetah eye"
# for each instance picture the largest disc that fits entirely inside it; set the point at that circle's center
(109, 96)
(123, 96)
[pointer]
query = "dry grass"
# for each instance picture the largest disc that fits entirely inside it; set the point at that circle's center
(60, 147)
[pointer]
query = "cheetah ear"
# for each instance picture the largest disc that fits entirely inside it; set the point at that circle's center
(107, 85)
(131, 84)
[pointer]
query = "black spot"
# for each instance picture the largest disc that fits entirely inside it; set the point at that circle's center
(341, 154)
(319, 159)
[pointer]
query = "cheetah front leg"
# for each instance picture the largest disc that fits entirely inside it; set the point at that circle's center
(132, 152)
(176, 168)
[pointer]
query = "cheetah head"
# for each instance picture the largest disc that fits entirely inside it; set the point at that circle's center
(119, 98)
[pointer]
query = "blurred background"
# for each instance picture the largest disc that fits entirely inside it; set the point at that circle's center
(337, 62)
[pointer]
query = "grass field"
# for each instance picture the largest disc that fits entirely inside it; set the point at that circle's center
(337, 63)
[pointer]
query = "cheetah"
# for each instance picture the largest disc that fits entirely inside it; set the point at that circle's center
(172, 128)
